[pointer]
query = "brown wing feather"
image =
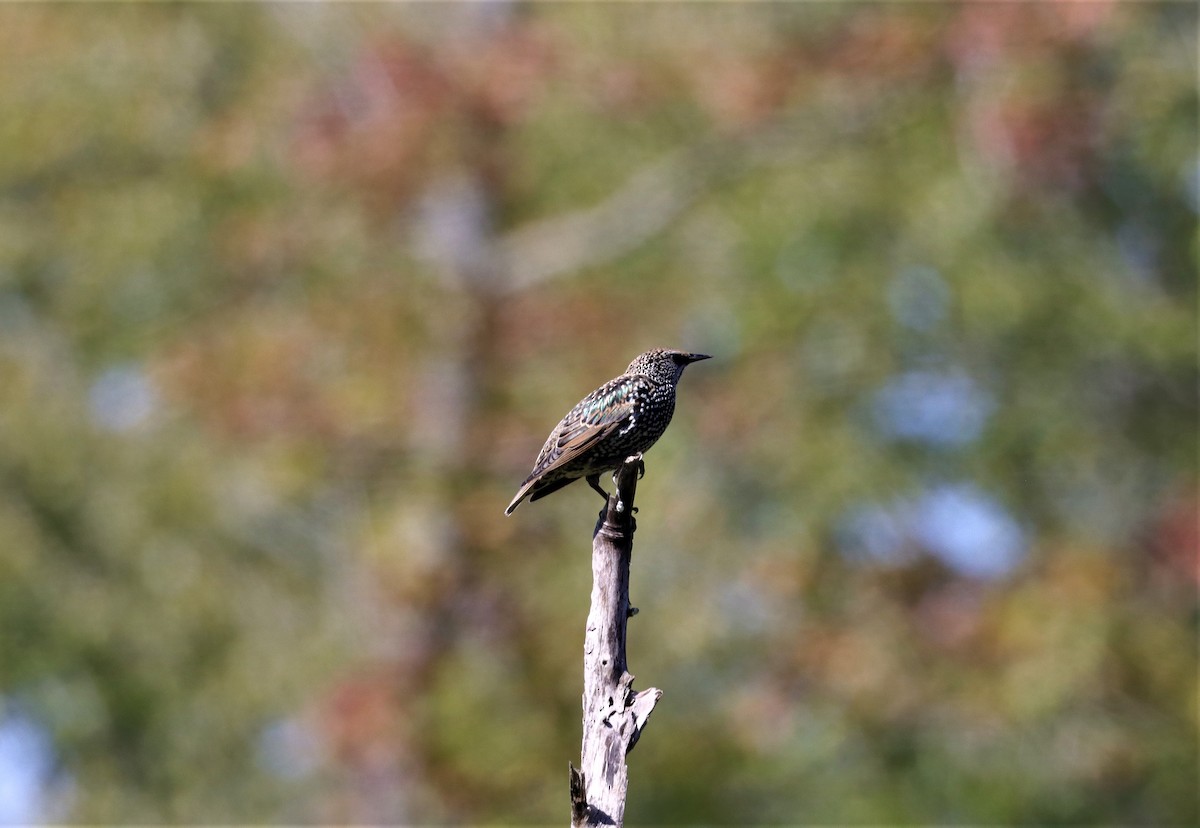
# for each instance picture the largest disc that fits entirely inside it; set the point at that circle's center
(577, 443)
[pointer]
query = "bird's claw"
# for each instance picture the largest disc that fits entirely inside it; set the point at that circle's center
(641, 464)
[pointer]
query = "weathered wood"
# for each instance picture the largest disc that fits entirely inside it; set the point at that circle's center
(613, 714)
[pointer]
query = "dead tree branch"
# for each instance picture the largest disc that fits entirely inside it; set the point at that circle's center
(613, 714)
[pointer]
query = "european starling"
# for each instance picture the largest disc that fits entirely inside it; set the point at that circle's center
(621, 418)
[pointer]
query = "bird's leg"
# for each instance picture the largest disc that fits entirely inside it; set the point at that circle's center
(593, 480)
(641, 470)
(594, 483)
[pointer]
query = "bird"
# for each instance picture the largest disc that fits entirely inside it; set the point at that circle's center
(622, 418)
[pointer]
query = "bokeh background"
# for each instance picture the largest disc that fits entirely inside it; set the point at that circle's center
(290, 296)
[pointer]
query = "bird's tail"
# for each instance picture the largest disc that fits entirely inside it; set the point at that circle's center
(522, 493)
(537, 487)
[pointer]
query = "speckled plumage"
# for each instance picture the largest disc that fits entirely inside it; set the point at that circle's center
(621, 418)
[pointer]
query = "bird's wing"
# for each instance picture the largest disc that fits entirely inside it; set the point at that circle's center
(597, 415)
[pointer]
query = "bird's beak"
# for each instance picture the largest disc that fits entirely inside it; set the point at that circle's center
(697, 357)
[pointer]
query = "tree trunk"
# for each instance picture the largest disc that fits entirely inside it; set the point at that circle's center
(613, 715)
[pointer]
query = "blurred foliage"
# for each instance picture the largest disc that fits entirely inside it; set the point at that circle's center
(290, 295)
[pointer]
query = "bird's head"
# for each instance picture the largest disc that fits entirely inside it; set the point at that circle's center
(663, 364)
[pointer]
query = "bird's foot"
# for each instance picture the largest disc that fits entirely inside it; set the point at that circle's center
(641, 464)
